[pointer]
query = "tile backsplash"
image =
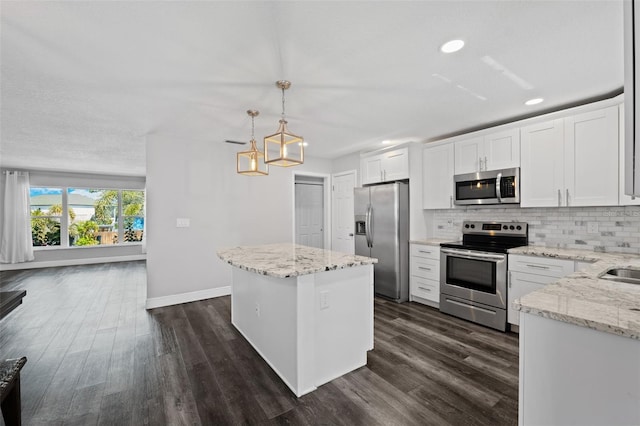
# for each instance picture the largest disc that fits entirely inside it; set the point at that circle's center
(618, 228)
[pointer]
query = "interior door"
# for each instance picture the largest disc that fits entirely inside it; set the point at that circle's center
(309, 215)
(343, 211)
(384, 234)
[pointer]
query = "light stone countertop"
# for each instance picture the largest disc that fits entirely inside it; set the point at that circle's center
(431, 241)
(285, 260)
(584, 299)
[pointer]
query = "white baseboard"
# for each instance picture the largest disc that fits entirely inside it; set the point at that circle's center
(176, 299)
(70, 262)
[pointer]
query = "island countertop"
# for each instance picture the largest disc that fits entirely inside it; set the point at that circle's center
(584, 299)
(285, 260)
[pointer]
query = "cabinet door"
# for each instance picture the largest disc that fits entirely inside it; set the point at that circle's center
(468, 154)
(521, 284)
(623, 199)
(395, 165)
(437, 177)
(591, 158)
(371, 169)
(502, 150)
(541, 173)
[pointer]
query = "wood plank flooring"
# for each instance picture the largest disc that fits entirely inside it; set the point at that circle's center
(96, 356)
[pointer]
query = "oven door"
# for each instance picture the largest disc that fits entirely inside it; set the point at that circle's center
(475, 276)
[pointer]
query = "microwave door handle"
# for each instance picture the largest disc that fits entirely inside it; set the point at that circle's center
(498, 190)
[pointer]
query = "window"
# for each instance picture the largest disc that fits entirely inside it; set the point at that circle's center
(46, 215)
(133, 215)
(87, 216)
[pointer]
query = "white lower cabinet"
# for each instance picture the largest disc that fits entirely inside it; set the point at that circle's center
(424, 282)
(531, 273)
(573, 375)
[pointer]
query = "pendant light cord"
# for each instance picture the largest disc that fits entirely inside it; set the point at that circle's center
(283, 103)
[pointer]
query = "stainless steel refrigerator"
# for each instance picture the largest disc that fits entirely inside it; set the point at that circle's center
(382, 231)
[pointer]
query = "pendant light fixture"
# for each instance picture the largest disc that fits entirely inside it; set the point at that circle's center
(283, 148)
(250, 162)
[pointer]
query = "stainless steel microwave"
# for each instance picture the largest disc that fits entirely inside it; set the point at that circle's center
(490, 187)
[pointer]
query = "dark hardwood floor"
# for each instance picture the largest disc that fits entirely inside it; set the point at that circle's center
(96, 356)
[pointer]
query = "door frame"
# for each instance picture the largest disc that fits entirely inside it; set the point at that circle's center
(353, 172)
(326, 185)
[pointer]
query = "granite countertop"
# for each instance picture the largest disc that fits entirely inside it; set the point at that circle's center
(285, 260)
(431, 241)
(584, 299)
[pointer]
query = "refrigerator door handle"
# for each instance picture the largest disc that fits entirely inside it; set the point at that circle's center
(368, 226)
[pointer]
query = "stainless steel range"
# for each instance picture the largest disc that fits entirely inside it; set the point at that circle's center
(473, 273)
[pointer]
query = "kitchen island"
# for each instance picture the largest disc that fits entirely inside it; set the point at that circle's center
(308, 312)
(580, 344)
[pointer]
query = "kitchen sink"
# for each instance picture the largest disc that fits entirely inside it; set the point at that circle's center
(624, 275)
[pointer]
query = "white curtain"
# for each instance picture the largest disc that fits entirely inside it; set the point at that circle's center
(16, 245)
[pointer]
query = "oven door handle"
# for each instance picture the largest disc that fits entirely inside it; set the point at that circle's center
(471, 255)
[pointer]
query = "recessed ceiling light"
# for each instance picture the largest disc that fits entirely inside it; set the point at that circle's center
(534, 101)
(386, 142)
(452, 46)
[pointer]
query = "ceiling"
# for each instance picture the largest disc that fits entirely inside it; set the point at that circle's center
(85, 84)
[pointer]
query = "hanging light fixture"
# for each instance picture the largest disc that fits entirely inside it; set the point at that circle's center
(283, 148)
(250, 162)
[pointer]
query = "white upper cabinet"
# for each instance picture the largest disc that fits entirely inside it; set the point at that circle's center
(591, 158)
(502, 150)
(499, 150)
(468, 154)
(437, 176)
(371, 169)
(571, 161)
(388, 166)
(624, 199)
(541, 172)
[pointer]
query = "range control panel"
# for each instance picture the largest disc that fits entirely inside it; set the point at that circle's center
(495, 228)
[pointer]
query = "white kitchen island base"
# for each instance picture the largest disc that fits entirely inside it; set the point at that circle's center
(309, 328)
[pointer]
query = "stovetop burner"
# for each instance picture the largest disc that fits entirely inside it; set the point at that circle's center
(497, 237)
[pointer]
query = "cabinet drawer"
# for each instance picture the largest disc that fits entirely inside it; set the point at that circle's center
(425, 268)
(429, 252)
(540, 265)
(426, 289)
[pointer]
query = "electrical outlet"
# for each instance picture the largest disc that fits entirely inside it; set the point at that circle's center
(324, 300)
(257, 309)
(183, 222)
(592, 227)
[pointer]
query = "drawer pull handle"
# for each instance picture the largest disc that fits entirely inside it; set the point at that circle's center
(538, 266)
(424, 288)
(425, 252)
(423, 268)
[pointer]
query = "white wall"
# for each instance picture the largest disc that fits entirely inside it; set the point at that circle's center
(198, 180)
(347, 163)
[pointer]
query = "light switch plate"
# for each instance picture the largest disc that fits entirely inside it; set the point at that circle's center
(182, 222)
